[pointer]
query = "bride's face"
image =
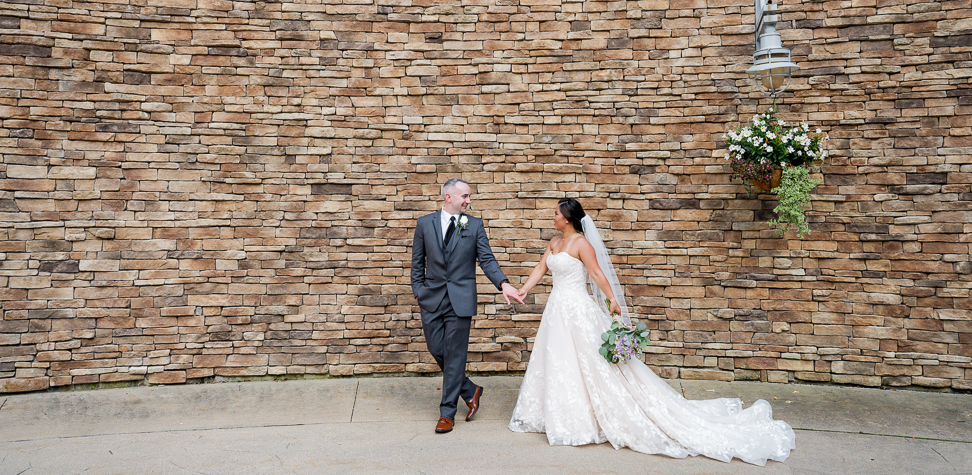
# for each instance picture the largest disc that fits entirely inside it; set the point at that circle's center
(560, 222)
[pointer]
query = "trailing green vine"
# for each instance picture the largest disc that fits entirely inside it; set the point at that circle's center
(793, 194)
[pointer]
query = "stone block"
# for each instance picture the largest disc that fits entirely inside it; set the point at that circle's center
(856, 379)
(242, 371)
(167, 377)
(39, 282)
(208, 361)
(116, 377)
(896, 370)
(10, 338)
(20, 385)
(72, 173)
(99, 265)
(811, 376)
(896, 381)
(930, 382)
(706, 374)
(795, 365)
(756, 363)
(196, 373)
(942, 372)
(26, 172)
(853, 367)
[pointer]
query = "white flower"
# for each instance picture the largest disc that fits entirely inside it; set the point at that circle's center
(818, 131)
(463, 221)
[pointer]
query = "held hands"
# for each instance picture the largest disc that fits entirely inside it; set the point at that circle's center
(510, 292)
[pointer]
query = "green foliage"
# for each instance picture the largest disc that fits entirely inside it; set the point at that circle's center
(793, 194)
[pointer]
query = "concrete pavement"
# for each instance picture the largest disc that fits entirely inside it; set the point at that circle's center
(385, 425)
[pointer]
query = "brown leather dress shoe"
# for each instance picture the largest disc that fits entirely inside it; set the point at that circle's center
(445, 425)
(474, 403)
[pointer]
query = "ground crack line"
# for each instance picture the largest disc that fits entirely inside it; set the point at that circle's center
(886, 435)
(4, 403)
(940, 454)
(354, 402)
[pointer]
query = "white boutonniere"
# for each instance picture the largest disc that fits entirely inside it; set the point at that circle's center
(463, 222)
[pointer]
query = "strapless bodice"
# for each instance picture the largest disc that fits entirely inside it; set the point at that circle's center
(569, 273)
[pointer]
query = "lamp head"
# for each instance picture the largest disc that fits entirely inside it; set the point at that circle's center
(771, 62)
(772, 69)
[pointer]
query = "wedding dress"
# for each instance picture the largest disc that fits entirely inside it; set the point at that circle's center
(576, 397)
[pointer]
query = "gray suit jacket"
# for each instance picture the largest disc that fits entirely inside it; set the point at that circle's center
(433, 273)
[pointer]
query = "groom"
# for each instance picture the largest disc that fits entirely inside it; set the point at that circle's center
(445, 248)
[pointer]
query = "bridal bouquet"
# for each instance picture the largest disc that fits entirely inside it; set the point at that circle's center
(621, 342)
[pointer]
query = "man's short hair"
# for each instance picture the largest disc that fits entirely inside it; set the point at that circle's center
(451, 185)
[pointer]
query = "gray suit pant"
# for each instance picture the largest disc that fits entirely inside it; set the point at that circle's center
(447, 336)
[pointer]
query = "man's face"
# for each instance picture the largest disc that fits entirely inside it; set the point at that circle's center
(458, 199)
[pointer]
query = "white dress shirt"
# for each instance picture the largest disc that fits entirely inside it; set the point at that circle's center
(444, 218)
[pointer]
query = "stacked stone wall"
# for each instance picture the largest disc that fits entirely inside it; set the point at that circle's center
(204, 188)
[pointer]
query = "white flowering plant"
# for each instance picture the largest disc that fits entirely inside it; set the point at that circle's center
(766, 143)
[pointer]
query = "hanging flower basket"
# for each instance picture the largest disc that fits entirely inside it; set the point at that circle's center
(771, 156)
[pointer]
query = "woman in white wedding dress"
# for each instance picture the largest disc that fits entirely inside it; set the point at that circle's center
(576, 397)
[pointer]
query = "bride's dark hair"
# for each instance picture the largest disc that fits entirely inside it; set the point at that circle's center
(573, 211)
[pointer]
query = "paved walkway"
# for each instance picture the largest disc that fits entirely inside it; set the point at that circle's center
(385, 425)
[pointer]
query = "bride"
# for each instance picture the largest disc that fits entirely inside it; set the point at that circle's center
(576, 397)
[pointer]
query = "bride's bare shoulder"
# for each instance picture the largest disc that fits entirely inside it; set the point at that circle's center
(577, 239)
(582, 245)
(583, 242)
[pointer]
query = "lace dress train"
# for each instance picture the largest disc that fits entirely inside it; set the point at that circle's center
(571, 393)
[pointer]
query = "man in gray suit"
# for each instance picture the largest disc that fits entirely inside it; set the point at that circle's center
(445, 249)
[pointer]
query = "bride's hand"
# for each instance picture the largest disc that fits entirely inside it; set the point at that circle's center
(615, 311)
(510, 292)
(522, 292)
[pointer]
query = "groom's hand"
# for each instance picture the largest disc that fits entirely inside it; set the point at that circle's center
(510, 292)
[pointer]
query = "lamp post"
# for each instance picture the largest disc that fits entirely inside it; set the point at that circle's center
(771, 61)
